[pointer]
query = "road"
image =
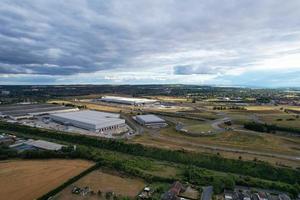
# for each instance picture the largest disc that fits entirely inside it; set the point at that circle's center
(215, 123)
(136, 127)
(207, 193)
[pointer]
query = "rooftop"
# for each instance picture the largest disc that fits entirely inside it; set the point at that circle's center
(25, 109)
(150, 118)
(127, 99)
(42, 144)
(99, 119)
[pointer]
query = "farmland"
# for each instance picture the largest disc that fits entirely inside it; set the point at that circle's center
(285, 120)
(30, 179)
(105, 181)
(92, 106)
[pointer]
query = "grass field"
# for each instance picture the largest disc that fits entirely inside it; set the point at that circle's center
(169, 98)
(239, 117)
(202, 114)
(30, 179)
(194, 126)
(262, 108)
(198, 128)
(164, 170)
(105, 181)
(296, 108)
(169, 138)
(286, 120)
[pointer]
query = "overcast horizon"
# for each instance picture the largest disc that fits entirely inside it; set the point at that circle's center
(241, 43)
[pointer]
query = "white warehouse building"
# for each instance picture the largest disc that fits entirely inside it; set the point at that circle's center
(127, 100)
(150, 120)
(90, 120)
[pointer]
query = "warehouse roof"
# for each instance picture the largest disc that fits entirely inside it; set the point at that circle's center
(150, 118)
(87, 115)
(96, 118)
(42, 144)
(25, 109)
(127, 99)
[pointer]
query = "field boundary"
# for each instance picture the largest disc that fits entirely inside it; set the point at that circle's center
(56, 190)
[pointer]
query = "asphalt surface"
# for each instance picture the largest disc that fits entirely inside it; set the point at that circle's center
(215, 123)
(207, 193)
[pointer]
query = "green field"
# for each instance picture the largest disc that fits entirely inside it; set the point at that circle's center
(285, 120)
(104, 181)
(268, 143)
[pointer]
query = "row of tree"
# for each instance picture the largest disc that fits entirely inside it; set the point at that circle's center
(228, 181)
(229, 108)
(269, 128)
(141, 166)
(255, 169)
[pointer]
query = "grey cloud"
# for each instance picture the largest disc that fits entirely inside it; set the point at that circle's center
(188, 69)
(76, 36)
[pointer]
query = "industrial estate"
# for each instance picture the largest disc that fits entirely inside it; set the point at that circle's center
(149, 100)
(196, 145)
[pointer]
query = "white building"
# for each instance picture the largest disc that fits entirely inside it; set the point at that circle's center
(42, 144)
(36, 144)
(150, 120)
(128, 101)
(90, 120)
(24, 111)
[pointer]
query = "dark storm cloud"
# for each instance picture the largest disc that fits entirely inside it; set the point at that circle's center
(44, 37)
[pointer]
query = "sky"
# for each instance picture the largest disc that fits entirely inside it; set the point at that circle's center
(212, 42)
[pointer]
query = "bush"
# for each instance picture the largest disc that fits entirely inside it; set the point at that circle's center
(256, 169)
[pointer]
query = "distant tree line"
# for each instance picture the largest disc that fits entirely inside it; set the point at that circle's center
(221, 181)
(229, 108)
(269, 128)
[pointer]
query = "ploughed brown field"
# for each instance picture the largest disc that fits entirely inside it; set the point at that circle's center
(30, 179)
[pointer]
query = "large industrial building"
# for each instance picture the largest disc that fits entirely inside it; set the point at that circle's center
(90, 120)
(128, 101)
(36, 144)
(150, 120)
(23, 111)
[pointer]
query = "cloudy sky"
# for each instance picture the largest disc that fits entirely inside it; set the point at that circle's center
(213, 42)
